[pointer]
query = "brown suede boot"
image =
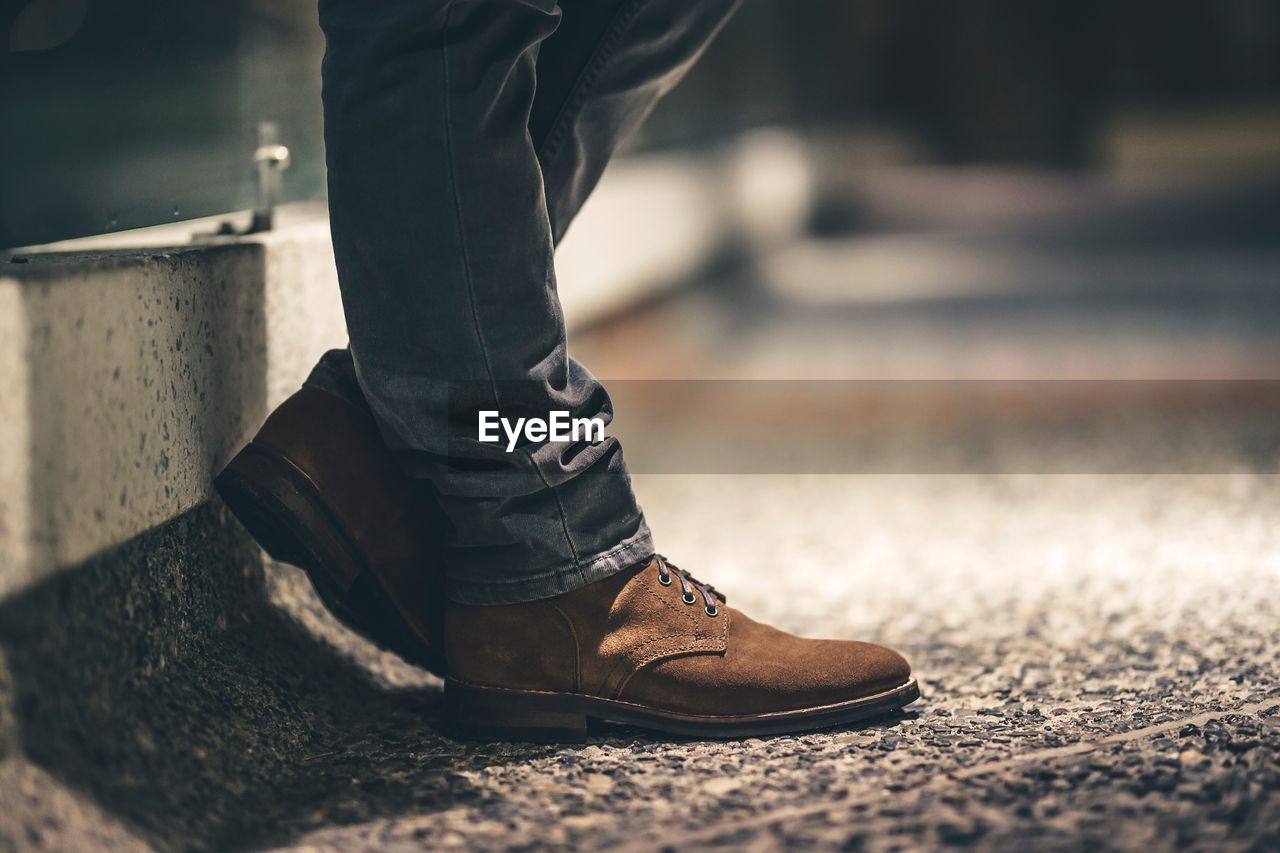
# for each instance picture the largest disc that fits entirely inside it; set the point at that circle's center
(652, 647)
(318, 488)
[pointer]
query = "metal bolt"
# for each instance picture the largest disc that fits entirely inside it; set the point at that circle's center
(272, 158)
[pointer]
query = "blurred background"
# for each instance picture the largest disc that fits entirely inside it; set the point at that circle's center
(135, 113)
(1074, 155)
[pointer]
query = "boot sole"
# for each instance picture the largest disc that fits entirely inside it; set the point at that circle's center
(491, 713)
(284, 511)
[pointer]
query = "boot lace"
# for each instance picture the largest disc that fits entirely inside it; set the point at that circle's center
(712, 598)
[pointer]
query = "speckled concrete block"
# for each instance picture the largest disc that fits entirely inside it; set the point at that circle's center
(129, 375)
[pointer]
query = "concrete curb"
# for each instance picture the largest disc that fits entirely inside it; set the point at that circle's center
(132, 374)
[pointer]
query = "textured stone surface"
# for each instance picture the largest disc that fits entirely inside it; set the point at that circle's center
(188, 708)
(1099, 657)
(1095, 674)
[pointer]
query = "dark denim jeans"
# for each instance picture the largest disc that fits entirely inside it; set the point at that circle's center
(462, 138)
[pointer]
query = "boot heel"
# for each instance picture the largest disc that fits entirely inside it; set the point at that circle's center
(490, 713)
(283, 511)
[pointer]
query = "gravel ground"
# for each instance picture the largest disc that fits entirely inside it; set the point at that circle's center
(1099, 669)
(1098, 655)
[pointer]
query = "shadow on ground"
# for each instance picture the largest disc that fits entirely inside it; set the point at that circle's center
(160, 680)
(199, 701)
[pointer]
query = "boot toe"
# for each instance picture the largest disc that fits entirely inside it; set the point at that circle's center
(770, 671)
(868, 668)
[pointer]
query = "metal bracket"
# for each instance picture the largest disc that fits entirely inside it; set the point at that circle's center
(271, 158)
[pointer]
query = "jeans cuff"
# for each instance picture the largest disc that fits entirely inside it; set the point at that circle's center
(632, 551)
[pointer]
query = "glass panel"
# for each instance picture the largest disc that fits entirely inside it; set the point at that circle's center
(135, 112)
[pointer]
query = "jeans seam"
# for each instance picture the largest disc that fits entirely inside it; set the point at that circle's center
(555, 493)
(587, 79)
(466, 266)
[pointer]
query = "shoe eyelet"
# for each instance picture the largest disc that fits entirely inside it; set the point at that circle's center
(711, 611)
(665, 580)
(688, 598)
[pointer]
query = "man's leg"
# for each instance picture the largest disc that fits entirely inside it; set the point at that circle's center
(598, 75)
